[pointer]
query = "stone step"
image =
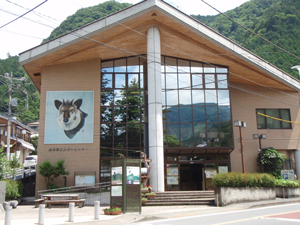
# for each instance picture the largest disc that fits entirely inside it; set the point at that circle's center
(181, 202)
(182, 197)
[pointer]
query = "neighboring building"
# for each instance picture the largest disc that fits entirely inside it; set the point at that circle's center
(34, 126)
(150, 78)
(20, 145)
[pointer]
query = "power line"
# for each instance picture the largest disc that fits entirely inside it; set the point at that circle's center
(23, 14)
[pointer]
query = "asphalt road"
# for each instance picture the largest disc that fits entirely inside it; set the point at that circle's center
(274, 215)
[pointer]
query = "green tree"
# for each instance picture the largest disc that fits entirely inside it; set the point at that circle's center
(271, 161)
(50, 172)
(3, 164)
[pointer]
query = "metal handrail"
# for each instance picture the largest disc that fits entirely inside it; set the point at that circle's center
(72, 189)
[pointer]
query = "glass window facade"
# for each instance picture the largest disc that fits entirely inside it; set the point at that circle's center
(124, 129)
(268, 123)
(196, 105)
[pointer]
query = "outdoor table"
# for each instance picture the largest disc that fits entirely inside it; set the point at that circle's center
(60, 196)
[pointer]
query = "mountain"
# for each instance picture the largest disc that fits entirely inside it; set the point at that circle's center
(275, 20)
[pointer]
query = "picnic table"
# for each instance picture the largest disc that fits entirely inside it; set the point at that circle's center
(49, 199)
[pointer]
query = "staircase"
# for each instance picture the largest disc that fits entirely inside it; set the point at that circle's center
(182, 198)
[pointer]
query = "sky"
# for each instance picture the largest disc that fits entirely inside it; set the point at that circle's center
(29, 31)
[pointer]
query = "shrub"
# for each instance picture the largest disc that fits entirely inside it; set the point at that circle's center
(233, 179)
(287, 183)
(14, 189)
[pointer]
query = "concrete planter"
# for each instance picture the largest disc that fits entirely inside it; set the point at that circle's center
(287, 192)
(230, 195)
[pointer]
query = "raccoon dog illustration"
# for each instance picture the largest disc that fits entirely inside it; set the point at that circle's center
(70, 117)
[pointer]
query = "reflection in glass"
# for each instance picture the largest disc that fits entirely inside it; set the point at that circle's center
(163, 97)
(106, 114)
(211, 114)
(106, 81)
(210, 81)
(164, 114)
(171, 65)
(183, 66)
(184, 81)
(173, 135)
(197, 80)
(133, 114)
(118, 98)
(172, 97)
(209, 69)
(107, 97)
(134, 97)
(133, 64)
(106, 134)
(226, 131)
(185, 97)
(120, 114)
(186, 115)
(221, 70)
(186, 134)
(143, 115)
(120, 135)
(285, 115)
(199, 114)
(120, 81)
(133, 81)
(224, 114)
(223, 97)
(200, 135)
(141, 80)
(172, 115)
(196, 67)
(120, 65)
(210, 97)
(273, 124)
(198, 97)
(107, 67)
(171, 81)
(162, 81)
(222, 81)
(133, 135)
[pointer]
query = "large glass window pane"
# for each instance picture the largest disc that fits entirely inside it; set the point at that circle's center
(172, 114)
(183, 66)
(163, 97)
(107, 97)
(133, 81)
(106, 133)
(134, 135)
(211, 114)
(106, 81)
(210, 97)
(173, 135)
(213, 135)
(200, 135)
(171, 65)
(171, 81)
(199, 114)
(285, 115)
(196, 67)
(120, 114)
(184, 81)
(223, 97)
(198, 97)
(133, 114)
(134, 97)
(224, 114)
(197, 81)
(186, 135)
(209, 69)
(106, 114)
(222, 81)
(271, 123)
(226, 135)
(142, 80)
(185, 97)
(261, 120)
(164, 114)
(120, 135)
(143, 114)
(120, 81)
(133, 64)
(186, 115)
(162, 80)
(119, 98)
(221, 70)
(172, 97)
(210, 81)
(120, 65)
(107, 67)
(144, 135)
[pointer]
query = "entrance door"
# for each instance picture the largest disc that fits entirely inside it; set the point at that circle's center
(191, 177)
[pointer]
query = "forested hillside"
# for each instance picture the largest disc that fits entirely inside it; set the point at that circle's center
(276, 20)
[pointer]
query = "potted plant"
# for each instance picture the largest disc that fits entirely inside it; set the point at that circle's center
(106, 211)
(144, 189)
(144, 201)
(115, 210)
(149, 188)
(150, 195)
(174, 188)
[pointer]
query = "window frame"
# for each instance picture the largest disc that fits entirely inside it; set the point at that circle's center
(280, 122)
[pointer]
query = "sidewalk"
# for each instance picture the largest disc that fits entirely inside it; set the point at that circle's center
(28, 215)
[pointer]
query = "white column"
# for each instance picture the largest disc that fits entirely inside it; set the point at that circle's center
(156, 150)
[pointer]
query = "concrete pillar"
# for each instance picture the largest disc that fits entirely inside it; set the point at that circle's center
(71, 211)
(97, 210)
(297, 163)
(8, 215)
(156, 150)
(41, 214)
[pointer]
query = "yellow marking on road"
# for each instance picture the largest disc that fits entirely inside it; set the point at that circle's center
(257, 217)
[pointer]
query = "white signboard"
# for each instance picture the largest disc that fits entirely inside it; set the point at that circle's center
(287, 174)
(223, 169)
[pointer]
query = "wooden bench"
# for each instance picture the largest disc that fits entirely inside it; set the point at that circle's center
(80, 202)
(37, 202)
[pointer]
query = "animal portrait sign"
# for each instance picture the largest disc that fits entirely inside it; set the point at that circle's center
(69, 117)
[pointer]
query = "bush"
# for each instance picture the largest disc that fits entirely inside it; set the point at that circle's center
(14, 189)
(233, 179)
(287, 183)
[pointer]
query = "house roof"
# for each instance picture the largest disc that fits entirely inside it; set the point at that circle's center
(19, 124)
(125, 33)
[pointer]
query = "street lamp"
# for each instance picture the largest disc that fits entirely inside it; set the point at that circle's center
(241, 124)
(259, 137)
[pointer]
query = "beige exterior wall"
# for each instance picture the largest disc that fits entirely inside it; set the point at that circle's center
(79, 76)
(244, 107)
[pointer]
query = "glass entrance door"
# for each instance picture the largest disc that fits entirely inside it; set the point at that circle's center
(191, 177)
